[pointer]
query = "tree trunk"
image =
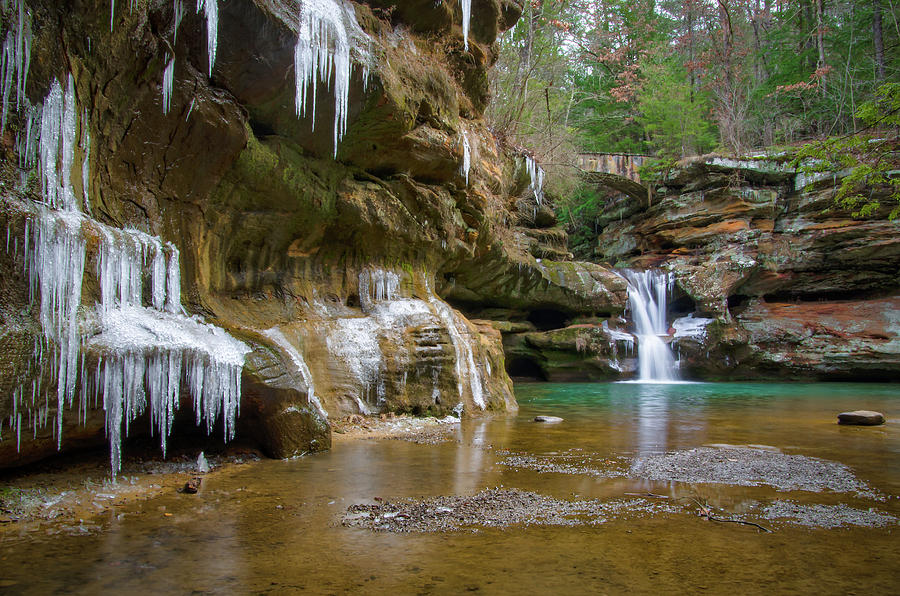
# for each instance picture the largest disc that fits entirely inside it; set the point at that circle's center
(691, 69)
(806, 19)
(820, 32)
(820, 41)
(878, 40)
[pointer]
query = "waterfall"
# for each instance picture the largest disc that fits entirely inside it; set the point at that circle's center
(647, 296)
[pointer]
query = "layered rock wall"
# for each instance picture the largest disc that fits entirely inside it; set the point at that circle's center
(773, 280)
(332, 262)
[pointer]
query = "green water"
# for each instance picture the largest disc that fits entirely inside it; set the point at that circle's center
(275, 526)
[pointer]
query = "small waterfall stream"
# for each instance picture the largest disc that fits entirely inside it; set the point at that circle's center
(647, 301)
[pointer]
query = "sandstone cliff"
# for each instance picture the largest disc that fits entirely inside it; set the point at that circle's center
(323, 226)
(772, 280)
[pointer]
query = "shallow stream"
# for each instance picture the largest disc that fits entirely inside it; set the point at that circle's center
(279, 526)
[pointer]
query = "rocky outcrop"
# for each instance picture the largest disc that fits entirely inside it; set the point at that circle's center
(335, 263)
(779, 282)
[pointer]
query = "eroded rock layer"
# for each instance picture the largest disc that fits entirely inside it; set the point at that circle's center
(772, 280)
(325, 225)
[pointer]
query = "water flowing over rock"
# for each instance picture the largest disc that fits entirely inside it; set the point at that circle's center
(647, 304)
(771, 279)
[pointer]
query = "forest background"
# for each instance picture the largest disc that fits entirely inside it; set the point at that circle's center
(815, 81)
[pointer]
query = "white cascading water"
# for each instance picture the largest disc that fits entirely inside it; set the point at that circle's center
(647, 301)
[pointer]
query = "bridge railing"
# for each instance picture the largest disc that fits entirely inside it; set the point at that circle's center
(621, 164)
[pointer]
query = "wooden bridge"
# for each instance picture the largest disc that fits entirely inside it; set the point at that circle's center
(618, 171)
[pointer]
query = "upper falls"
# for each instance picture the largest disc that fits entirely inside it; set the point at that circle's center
(647, 301)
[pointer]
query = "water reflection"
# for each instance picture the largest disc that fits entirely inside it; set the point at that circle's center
(470, 454)
(275, 527)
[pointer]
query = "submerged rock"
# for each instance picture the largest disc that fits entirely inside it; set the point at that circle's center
(548, 419)
(861, 418)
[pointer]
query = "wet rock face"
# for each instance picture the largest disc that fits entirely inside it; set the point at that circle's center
(276, 234)
(796, 287)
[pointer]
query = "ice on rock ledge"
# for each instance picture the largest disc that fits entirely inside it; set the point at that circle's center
(277, 336)
(691, 327)
(146, 350)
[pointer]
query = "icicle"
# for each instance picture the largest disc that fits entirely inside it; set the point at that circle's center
(158, 276)
(173, 282)
(536, 173)
(323, 49)
(15, 60)
(179, 15)
(377, 285)
(466, 6)
(211, 10)
(57, 145)
(86, 160)
(168, 83)
(23, 52)
(7, 70)
(57, 270)
(466, 162)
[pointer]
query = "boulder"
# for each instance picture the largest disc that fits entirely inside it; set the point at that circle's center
(861, 418)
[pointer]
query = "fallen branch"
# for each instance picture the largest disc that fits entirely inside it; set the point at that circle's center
(736, 521)
(706, 512)
(654, 495)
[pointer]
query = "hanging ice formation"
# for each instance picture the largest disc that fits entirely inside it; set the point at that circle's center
(144, 348)
(16, 58)
(282, 342)
(466, 6)
(168, 83)
(647, 301)
(178, 11)
(467, 158)
(360, 343)
(211, 10)
(323, 52)
(536, 173)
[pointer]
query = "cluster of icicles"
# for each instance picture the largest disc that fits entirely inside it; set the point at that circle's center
(536, 174)
(140, 350)
(327, 29)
